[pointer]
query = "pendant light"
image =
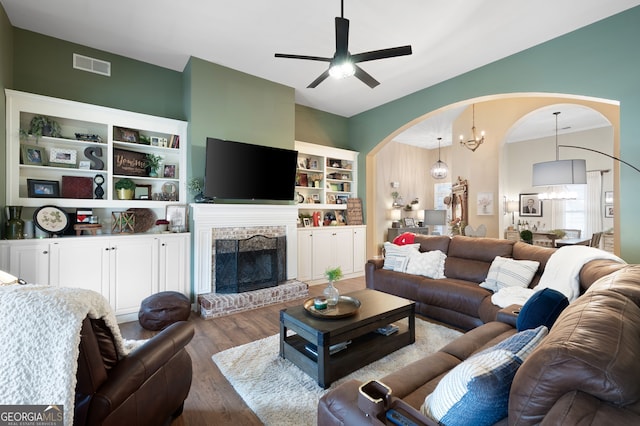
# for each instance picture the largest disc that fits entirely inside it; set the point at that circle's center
(439, 170)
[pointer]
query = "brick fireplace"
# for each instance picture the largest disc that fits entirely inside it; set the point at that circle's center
(212, 222)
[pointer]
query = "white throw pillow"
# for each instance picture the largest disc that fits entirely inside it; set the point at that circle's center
(396, 257)
(430, 264)
(506, 272)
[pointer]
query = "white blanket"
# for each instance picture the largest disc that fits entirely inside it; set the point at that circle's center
(562, 273)
(40, 335)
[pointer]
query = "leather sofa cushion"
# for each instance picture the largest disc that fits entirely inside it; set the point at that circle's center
(433, 242)
(593, 347)
(469, 258)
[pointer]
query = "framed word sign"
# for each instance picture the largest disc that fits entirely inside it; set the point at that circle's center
(354, 211)
(129, 163)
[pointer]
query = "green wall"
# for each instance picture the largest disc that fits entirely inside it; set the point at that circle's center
(601, 60)
(322, 128)
(44, 65)
(228, 104)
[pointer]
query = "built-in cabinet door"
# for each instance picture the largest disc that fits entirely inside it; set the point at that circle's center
(173, 262)
(305, 254)
(30, 261)
(133, 272)
(342, 249)
(359, 249)
(80, 263)
(322, 257)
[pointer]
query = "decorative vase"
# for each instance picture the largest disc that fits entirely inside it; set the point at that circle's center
(15, 225)
(153, 173)
(332, 294)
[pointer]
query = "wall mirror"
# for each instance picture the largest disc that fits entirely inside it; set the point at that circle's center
(459, 202)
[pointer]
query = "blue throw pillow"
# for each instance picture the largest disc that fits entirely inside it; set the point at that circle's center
(543, 308)
(476, 391)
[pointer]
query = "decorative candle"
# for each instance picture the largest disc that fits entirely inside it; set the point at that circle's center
(320, 303)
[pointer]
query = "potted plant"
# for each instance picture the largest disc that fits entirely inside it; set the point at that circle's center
(125, 189)
(527, 236)
(331, 293)
(153, 163)
(44, 126)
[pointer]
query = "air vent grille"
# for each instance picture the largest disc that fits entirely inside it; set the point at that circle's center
(93, 65)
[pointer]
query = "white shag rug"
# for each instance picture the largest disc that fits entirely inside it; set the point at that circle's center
(282, 394)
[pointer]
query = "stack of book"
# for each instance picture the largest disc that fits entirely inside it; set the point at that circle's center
(387, 330)
(313, 349)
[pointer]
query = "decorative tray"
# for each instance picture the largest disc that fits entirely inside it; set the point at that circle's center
(346, 307)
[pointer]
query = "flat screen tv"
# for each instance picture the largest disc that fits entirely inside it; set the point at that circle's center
(243, 171)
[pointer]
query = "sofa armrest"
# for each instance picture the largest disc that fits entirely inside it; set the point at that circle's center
(369, 269)
(509, 315)
(578, 407)
(132, 371)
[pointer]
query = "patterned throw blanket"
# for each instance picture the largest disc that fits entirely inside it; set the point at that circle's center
(40, 335)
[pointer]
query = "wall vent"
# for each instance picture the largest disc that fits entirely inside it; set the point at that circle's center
(93, 65)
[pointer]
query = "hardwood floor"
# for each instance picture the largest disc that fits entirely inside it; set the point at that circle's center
(212, 400)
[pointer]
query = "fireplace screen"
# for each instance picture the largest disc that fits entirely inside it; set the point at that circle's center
(250, 264)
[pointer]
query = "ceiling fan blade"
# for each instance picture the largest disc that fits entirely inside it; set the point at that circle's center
(365, 77)
(319, 80)
(309, 58)
(381, 54)
(342, 37)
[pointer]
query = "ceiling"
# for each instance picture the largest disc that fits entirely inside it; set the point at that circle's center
(448, 38)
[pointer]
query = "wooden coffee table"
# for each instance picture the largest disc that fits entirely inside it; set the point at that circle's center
(377, 310)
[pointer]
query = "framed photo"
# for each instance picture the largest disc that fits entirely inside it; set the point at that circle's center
(485, 203)
(313, 164)
(608, 210)
(155, 141)
(341, 199)
(306, 222)
(331, 198)
(530, 205)
(315, 198)
(303, 162)
(121, 134)
(142, 192)
(608, 197)
(409, 222)
(177, 215)
(43, 188)
(340, 217)
(61, 157)
(33, 155)
(84, 165)
(169, 171)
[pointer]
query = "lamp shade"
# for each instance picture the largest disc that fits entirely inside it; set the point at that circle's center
(435, 217)
(560, 172)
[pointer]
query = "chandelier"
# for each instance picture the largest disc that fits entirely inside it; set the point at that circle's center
(475, 141)
(439, 169)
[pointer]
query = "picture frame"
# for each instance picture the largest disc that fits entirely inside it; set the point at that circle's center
(342, 199)
(313, 164)
(62, 157)
(409, 222)
(142, 192)
(302, 162)
(315, 198)
(608, 210)
(122, 134)
(177, 215)
(485, 203)
(340, 217)
(331, 198)
(530, 205)
(306, 222)
(169, 171)
(33, 155)
(84, 165)
(608, 197)
(37, 188)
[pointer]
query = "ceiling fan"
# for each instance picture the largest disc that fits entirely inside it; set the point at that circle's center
(343, 63)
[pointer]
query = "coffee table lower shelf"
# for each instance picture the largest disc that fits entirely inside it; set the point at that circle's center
(360, 352)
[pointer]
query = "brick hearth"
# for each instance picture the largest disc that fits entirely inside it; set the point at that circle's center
(214, 305)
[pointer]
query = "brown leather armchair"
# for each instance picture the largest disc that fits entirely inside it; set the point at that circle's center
(147, 387)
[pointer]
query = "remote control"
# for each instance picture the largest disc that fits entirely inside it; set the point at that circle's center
(399, 419)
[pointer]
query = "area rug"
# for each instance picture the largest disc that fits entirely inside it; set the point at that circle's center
(282, 394)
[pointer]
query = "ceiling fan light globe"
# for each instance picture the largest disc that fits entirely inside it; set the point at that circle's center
(342, 70)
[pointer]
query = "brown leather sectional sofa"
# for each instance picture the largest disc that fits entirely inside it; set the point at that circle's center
(457, 300)
(584, 372)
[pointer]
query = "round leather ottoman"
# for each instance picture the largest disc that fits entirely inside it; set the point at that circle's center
(160, 310)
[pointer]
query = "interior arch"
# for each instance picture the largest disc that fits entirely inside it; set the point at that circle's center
(486, 169)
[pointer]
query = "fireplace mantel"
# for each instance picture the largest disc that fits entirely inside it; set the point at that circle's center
(206, 217)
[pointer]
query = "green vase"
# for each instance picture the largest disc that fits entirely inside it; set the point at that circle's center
(15, 225)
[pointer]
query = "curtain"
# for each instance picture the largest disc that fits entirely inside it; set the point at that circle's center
(593, 203)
